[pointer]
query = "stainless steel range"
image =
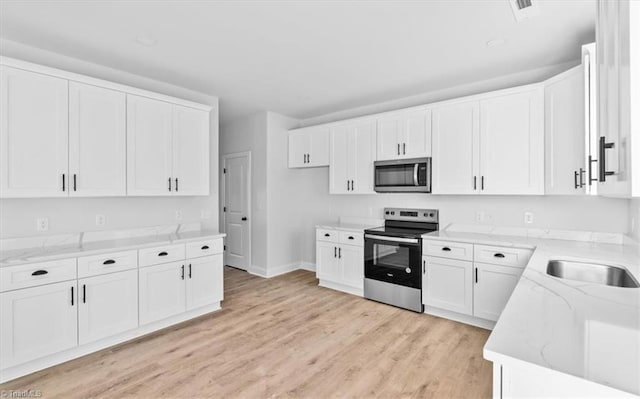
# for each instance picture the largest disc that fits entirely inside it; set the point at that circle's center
(393, 257)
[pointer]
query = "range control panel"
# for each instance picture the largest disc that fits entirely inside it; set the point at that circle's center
(411, 215)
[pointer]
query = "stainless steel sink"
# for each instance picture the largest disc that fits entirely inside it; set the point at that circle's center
(592, 273)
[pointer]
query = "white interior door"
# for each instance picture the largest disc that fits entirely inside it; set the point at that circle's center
(97, 141)
(33, 134)
(237, 225)
(190, 151)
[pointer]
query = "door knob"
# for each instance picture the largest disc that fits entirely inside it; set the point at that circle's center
(244, 218)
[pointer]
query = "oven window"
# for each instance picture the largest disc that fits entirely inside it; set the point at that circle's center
(389, 255)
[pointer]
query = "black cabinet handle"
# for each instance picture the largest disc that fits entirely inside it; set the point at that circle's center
(498, 255)
(189, 270)
(327, 235)
(581, 173)
(475, 182)
(163, 254)
(176, 184)
(339, 253)
(351, 238)
(335, 252)
(446, 249)
(603, 164)
(63, 185)
(84, 293)
(169, 184)
(575, 179)
(109, 262)
(308, 158)
(204, 247)
(74, 182)
(347, 185)
(182, 273)
(39, 273)
(404, 148)
(398, 148)
(482, 183)
(476, 275)
(72, 295)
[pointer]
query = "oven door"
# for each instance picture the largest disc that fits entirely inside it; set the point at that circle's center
(393, 260)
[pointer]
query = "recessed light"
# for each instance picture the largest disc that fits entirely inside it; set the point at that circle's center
(496, 42)
(146, 40)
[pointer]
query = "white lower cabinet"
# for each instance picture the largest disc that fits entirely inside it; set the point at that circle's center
(447, 284)
(37, 322)
(162, 291)
(493, 287)
(204, 281)
(339, 265)
(107, 305)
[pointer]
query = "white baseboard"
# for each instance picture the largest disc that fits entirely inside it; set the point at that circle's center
(462, 318)
(281, 269)
(308, 266)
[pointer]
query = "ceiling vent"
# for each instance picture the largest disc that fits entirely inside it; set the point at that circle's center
(523, 9)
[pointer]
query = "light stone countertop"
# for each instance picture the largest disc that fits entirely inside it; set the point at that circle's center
(354, 227)
(79, 248)
(587, 330)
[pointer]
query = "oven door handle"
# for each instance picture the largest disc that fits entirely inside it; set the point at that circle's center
(415, 174)
(393, 239)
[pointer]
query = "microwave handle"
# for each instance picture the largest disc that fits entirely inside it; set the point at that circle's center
(415, 174)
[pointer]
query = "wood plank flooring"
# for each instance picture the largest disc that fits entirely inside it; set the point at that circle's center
(284, 337)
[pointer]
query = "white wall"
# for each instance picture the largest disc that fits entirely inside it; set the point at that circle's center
(634, 219)
(249, 134)
(18, 216)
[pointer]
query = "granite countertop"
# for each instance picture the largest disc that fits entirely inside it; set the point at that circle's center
(21, 256)
(587, 330)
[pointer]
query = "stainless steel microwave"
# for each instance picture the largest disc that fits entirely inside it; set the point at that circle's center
(403, 175)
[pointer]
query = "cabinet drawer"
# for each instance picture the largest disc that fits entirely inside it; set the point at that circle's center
(34, 274)
(504, 256)
(206, 247)
(327, 235)
(158, 255)
(351, 238)
(106, 263)
(447, 249)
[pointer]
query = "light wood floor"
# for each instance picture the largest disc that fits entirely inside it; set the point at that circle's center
(284, 337)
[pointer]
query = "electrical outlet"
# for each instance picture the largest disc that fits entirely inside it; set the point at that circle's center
(479, 216)
(205, 214)
(42, 224)
(178, 215)
(528, 217)
(100, 220)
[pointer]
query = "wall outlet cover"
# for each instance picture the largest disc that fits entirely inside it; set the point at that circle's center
(100, 220)
(178, 215)
(528, 217)
(42, 224)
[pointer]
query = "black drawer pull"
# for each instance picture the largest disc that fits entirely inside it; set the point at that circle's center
(351, 238)
(446, 249)
(109, 262)
(39, 273)
(499, 255)
(205, 247)
(163, 254)
(327, 235)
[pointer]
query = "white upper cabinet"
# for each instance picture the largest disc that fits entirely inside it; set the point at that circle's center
(352, 152)
(512, 143)
(406, 134)
(33, 134)
(564, 118)
(97, 141)
(149, 146)
(456, 131)
(190, 151)
(309, 147)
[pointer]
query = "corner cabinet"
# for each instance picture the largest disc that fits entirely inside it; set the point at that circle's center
(351, 155)
(66, 135)
(404, 134)
(309, 147)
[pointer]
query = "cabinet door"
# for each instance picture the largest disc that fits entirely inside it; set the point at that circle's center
(161, 291)
(204, 281)
(512, 143)
(352, 265)
(455, 165)
(565, 134)
(338, 161)
(327, 265)
(362, 153)
(108, 305)
(319, 146)
(415, 136)
(448, 284)
(388, 138)
(493, 287)
(190, 151)
(33, 134)
(149, 146)
(299, 146)
(38, 322)
(97, 141)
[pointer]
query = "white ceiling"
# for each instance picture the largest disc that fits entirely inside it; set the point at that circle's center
(305, 58)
